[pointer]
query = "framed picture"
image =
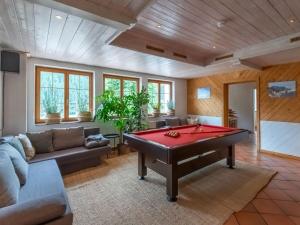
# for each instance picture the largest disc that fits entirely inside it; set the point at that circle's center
(203, 93)
(282, 89)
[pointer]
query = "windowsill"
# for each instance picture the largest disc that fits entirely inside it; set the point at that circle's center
(65, 122)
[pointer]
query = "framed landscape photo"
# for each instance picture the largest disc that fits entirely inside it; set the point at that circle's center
(282, 89)
(203, 93)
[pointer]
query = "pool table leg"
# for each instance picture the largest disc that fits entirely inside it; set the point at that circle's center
(172, 183)
(142, 169)
(231, 156)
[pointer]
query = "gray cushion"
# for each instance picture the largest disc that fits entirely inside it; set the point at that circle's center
(41, 141)
(96, 143)
(28, 148)
(173, 122)
(37, 211)
(16, 143)
(9, 182)
(20, 165)
(68, 138)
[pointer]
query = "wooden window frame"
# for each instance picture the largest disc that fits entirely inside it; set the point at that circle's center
(66, 72)
(122, 79)
(159, 82)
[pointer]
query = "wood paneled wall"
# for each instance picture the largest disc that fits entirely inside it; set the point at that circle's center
(271, 109)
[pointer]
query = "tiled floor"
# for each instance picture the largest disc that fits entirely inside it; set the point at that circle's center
(279, 202)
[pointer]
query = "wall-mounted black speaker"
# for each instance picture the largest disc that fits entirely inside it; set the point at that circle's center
(10, 61)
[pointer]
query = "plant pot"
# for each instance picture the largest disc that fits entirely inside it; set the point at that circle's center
(53, 118)
(171, 112)
(156, 113)
(84, 116)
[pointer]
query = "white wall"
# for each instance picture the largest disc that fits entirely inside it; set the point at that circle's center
(15, 99)
(1, 99)
(179, 91)
(241, 100)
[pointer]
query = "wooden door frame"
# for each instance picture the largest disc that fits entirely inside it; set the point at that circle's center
(226, 106)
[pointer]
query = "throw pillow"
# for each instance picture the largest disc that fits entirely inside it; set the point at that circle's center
(16, 143)
(9, 182)
(28, 148)
(20, 165)
(41, 141)
(68, 137)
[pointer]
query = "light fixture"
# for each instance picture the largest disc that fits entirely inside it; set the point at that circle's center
(158, 26)
(292, 20)
(214, 47)
(28, 54)
(220, 24)
(58, 17)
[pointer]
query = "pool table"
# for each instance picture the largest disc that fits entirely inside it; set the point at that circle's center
(195, 147)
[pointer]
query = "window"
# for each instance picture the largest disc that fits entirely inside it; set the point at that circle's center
(120, 85)
(70, 91)
(160, 94)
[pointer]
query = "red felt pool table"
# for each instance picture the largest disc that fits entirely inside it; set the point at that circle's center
(195, 147)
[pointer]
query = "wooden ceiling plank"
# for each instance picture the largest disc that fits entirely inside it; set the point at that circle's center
(42, 16)
(238, 9)
(232, 16)
(274, 15)
(294, 7)
(213, 16)
(70, 28)
(56, 28)
(83, 31)
(192, 24)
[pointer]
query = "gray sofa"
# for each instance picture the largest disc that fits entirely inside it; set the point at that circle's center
(44, 181)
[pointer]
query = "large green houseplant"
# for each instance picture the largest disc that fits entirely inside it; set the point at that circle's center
(127, 113)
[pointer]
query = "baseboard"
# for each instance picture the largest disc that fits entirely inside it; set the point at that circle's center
(282, 155)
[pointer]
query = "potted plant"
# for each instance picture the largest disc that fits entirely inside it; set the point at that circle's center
(171, 108)
(84, 115)
(156, 109)
(50, 105)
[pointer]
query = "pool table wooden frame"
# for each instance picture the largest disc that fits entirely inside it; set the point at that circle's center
(166, 160)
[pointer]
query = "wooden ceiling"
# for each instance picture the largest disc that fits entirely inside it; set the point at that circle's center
(178, 38)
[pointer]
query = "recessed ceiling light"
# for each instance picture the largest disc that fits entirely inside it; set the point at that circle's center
(28, 54)
(58, 17)
(214, 47)
(158, 26)
(292, 20)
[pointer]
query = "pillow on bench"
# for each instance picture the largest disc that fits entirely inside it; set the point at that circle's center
(41, 141)
(68, 138)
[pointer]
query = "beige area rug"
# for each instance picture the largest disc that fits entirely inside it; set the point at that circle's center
(112, 194)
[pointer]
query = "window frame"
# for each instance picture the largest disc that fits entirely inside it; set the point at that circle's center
(66, 72)
(159, 82)
(122, 79)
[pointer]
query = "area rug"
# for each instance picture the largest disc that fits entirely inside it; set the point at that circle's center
(112, 194)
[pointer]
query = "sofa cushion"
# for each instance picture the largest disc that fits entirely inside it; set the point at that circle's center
(16, 143)
(172, 122)
(91, 131)
(41, 141)
(9, 182)
(36, 211)
(20, 165)
(28, 148)
(68, 137)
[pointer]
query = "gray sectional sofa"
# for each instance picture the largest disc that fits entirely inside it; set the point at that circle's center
(42, 200)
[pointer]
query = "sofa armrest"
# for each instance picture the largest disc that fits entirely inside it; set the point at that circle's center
(34, 212)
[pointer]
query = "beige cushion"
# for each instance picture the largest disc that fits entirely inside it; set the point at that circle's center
(41, 141)
(68, 137)
(28, 148)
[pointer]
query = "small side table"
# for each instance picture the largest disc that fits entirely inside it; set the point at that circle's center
(113, 137)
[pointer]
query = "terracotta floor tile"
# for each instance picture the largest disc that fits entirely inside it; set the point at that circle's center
(273, 219)
(296, 220)
(246, 218)
(283, 184)
(249, 208)
(262, 195)
(294, 194)
(231, 221)
(277, 194)
(289, 207)
(266, 206)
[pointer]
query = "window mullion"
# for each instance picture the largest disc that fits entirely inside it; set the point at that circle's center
(66, 93)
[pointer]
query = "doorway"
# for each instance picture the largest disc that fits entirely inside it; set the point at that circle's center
(241, 109)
